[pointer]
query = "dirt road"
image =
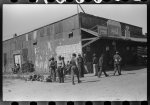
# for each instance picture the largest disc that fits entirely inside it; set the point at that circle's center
(131, 85)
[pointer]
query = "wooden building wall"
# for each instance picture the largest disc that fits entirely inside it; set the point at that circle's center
(40, 44)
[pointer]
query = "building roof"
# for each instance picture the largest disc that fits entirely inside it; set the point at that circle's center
(134, 39)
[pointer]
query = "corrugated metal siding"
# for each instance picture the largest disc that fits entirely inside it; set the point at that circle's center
(48, 38)
(57, 36)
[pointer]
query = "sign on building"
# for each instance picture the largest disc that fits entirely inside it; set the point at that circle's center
(67, 50)
(114, 28)
(127, 32)
(102, 30)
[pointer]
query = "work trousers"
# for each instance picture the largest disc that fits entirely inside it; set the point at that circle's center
(117, 68)
(60, 75)
(53, 74)
(102, 69)
(86, 69)
(74, 71)
(95, 69)
(81, 69)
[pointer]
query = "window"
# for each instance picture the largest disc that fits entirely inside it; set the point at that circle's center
(25, 54)
(71, 35)
(5, 59)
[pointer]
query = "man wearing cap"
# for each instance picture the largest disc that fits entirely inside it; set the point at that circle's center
(74, 69)
(117, 59)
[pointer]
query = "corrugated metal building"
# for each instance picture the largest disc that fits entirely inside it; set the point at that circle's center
(80, 33)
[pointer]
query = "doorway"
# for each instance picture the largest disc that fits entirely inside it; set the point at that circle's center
(17, 59)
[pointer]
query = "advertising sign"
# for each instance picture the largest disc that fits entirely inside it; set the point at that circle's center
(102, 30)
(67, 50)
(114, 28)
(127, 32)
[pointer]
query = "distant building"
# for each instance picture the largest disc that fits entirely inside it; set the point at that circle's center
(80, 33)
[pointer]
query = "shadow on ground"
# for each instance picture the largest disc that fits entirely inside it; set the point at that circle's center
(130, 68)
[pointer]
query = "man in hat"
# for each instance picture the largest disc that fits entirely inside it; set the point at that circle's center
(117, 59)
(52, 67)
(80, 65)
(74, 69)
(95, 64)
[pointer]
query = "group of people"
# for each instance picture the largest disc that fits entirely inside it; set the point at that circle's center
(16, 68)
(77, 66)
(100, 65)
(74, 66)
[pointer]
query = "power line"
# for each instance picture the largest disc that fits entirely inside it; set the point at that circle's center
(81, 8)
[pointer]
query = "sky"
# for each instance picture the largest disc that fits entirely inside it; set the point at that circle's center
(23, 18)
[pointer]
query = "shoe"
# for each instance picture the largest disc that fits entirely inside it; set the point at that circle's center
(107, 75)
(73, 83)
(79, 81)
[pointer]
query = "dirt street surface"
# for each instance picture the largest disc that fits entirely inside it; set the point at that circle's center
(131, 85)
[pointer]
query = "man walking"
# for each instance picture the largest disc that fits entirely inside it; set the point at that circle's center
(74, 69)
(117, 59)
(80, 65)
(95, 65)
(102, 65)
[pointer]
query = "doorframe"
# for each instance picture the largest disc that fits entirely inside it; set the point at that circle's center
(14, 58)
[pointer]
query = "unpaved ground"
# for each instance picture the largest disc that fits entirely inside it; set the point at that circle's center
(132, 85)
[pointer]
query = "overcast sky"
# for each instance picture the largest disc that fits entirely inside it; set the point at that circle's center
(22, 18)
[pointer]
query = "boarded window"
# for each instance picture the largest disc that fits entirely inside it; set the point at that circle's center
(58, 28)
(5, 59)
(25, 54)
(48, 30)
(30, 36)
(41, 31)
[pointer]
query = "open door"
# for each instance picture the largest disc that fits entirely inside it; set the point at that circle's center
(17, 59)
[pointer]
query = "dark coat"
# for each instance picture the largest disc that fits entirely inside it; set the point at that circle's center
(95, 61)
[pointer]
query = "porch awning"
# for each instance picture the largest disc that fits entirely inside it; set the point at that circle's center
(121, 37)
(139, 39)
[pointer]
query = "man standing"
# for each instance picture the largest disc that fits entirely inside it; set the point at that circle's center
(85, 63)
(80, 65)
(95, 65)
(64, 66)
(60, 67)
(74, 69)
(117, 59)
(102, 65)
(52, 67)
